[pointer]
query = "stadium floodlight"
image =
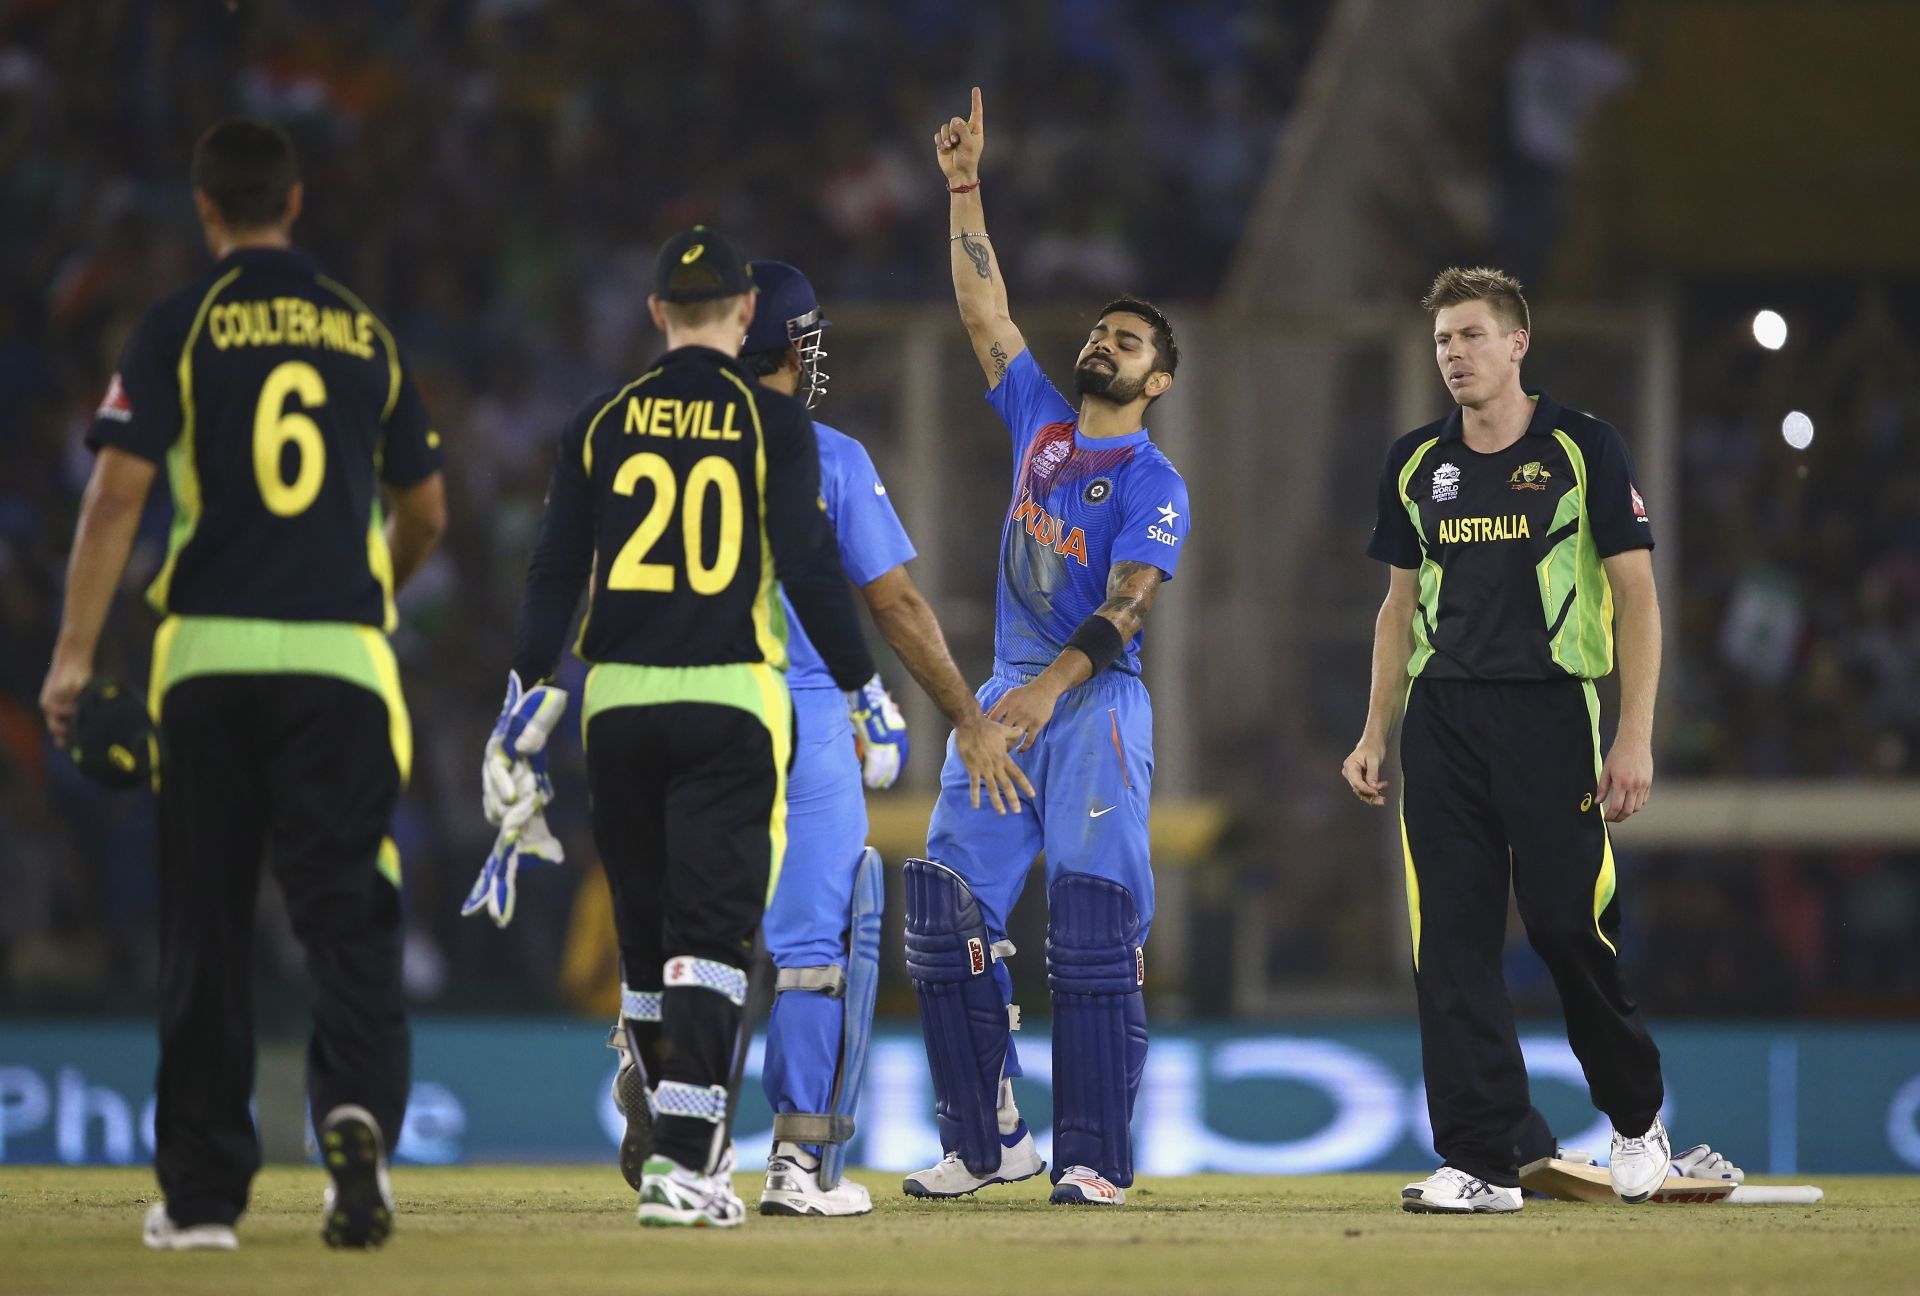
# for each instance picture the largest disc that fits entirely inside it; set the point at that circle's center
(1770, 329)
(1797, 428)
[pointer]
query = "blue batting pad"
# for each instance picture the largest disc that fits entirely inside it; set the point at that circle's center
(863, 985)
(1095, 969)
(963, 1013)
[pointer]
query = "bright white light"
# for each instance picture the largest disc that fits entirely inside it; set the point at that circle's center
(1797, 428)
(1770, 330)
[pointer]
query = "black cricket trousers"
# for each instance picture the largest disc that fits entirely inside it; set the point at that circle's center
(689, 804)
(1498, 783)
(298, 772)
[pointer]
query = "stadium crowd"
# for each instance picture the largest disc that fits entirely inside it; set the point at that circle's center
(494, 176)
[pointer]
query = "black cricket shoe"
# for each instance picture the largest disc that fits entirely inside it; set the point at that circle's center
(358, 1211)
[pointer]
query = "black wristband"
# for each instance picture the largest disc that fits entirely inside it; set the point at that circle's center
(1100, 640)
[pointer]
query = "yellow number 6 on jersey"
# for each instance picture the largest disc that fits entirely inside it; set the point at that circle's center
(274, 425)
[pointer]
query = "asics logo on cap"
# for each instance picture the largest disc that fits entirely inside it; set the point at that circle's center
(692, 254)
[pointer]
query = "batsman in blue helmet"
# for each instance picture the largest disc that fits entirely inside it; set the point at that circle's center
(1096, 524)
(822, 925)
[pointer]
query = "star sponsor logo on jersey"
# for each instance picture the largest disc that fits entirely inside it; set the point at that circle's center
(1159, 532)
(1446, 483)
(115, 404)
(1048, 530)
(1639, 505)
(1532, 475)
(1098, 491)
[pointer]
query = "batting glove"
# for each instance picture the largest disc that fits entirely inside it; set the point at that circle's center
(513, 773)
(530, 841)
(1702, 1162)
(879, 734)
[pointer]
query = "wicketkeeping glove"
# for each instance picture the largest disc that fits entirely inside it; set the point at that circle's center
(494, 890)
(515, 792)
(513, 772)
(1702, 1162)
(879, 734)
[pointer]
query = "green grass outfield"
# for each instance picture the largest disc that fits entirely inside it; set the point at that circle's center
(558, 1230)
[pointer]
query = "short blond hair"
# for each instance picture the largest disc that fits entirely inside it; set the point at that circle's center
(1496, 288)
(693, 315)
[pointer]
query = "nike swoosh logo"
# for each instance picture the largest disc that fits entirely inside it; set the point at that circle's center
(1095, 814)
(878, 489)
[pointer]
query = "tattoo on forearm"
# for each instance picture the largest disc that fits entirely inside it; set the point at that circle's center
(999, 354)
(1130, 590)
(976, 253)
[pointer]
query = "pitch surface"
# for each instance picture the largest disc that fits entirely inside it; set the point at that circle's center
(563, 1230)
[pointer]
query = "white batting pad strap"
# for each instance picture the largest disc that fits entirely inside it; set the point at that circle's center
(721, 978)
(639, 1005)
(830, 980)
(700, 1102)
(1003, 950)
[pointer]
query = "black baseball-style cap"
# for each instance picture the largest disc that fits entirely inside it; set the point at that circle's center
(112, 738)
(698, 265)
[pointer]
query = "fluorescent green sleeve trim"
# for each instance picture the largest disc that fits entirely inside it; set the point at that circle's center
(1430, 571)
(183, 476)
(769, 613)
(1584, 645)
(186, 647)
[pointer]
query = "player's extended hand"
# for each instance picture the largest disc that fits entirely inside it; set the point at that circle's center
(984, 748)
(60, 695)
(958, 144)
(1026, 709)
(1626, 779)
(879, 734)
(1363, 770)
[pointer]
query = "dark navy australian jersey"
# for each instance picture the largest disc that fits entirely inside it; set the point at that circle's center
(1080, 505)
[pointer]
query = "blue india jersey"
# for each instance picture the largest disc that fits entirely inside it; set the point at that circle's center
(1080, 504)
(872, 541)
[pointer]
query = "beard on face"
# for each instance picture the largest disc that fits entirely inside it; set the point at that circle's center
(1104, 383)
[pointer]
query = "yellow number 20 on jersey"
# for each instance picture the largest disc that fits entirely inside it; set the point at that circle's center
(631, 571)
(274, 425)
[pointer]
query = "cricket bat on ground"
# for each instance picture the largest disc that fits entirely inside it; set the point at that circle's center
(1570, 1181)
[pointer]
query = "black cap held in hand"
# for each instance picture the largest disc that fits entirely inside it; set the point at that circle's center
(112, 739)
(698, 265)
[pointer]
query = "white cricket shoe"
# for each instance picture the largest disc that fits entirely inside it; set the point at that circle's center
(673, 1196)
(951, 1178)
(1640, 1165)
(1079, 1186)
(793, 1187)
(1448, 1191)
(357, 1209)
(162, 1234)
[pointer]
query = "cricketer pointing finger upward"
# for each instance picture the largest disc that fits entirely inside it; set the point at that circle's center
(1096, 524)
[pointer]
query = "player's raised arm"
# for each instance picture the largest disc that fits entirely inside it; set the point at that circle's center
(977, 284)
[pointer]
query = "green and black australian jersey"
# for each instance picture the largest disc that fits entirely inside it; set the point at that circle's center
(276, 401)
(1509, 545)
